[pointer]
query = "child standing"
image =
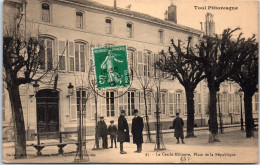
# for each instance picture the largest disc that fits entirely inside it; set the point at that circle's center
(112, 130)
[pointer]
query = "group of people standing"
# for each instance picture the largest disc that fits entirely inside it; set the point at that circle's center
(122, 132)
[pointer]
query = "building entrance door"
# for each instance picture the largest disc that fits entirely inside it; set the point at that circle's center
(47, 111)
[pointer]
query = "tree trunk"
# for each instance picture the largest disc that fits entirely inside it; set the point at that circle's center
(18, 121)
(248, 115)
(190, 111)
(213, 123)
(147, 118)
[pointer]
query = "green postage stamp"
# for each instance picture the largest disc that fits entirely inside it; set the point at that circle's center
(111, 66)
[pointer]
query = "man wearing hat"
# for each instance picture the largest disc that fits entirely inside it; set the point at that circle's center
(178, 126)
(123, 131)
(137, 131)
(102, 132)
(112, 131)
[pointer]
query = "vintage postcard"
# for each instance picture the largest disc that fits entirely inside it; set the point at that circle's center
(130, 81)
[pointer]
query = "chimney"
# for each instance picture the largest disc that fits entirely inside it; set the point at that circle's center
(209, 24)
(114, 4)
(172, 13)
(201, 26)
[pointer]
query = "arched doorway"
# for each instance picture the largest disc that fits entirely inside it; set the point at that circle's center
(47, 101)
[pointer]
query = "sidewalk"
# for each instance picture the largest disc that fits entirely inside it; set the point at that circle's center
(233, 148)
(90, 138)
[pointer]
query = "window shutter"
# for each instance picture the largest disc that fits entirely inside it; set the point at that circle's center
(166, 104)
(103, 106)
(155, 102)
(185, 111)
(220, 102)
(134, 59)
(73, 107)
(136, 100)
(139, 63)
(90, 58)
(71, 56)
(171, 104)
(199, 104)
(230, 103)
(174, 103)
(182, 104)
(196, 101)
(77, 50)
(62, 55)
(125, 101)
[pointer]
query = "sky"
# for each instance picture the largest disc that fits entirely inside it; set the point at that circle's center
(245, 16)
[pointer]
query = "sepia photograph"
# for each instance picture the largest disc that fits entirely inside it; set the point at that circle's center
(130, 81)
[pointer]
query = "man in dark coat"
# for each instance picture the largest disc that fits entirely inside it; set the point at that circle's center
(112, 131)
(123, 131)
(178, 126)
(102, 131)
(137, 131)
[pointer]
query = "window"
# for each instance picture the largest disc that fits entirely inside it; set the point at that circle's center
(62, 55)
(185, 106)
(144, 63)
(79, 20)
(129, 30)
(236, 103)
(80, 50)
(198, 103)
(141, 103)
(149, 103)
(224, 103)
(92, 105)
(171, 110)
(45, 12)
(75, 103)
(177, 102)
(140, 63)
(149, 64)
(131, 103)
(122, 101)
(230, 103)
(163, 103)
(161, 36)
(155, 70)
(47, 55)
(110, 104)
(108, 26)
(84, 99)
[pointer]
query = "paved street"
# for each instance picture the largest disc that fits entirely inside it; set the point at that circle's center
(234, 147)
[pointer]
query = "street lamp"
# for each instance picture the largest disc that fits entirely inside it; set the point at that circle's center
(35, 87)
(70, 90)
(240, 92)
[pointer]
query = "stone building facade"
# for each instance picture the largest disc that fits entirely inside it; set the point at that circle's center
(69, 29)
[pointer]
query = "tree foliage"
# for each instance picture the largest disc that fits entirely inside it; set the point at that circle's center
(187, 71)
(219, 57)
(247, 77)
(22, 58)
